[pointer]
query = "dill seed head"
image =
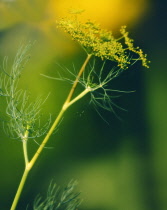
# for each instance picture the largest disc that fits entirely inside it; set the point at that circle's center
(102, 43)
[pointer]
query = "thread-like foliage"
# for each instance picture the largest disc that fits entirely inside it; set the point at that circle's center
(22, 114)
(57, 199)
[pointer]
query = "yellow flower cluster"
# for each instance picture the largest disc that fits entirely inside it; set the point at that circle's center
(101, 43)
(137, 50)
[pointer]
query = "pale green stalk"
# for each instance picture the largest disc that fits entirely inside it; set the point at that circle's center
(77, 78)
(24, 177)
(25, 138)
(68, 102)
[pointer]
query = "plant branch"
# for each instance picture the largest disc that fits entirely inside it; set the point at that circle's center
(25, 138)
(82, 94)
(77, 78)
(68, 102)
(20, 188)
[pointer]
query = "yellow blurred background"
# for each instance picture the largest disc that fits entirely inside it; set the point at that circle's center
(120, 166)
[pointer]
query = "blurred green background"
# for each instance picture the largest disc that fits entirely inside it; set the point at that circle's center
(119, 166)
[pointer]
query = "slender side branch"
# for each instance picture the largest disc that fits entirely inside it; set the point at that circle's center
(82, 94)
(77, 78)
(25, 138)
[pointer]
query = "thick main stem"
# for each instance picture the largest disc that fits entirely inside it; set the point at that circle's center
(68, 102)
(20, 188)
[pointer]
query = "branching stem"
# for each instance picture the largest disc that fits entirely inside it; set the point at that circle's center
(68, 102)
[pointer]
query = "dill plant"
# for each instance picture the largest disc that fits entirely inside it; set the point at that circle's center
(24, 117)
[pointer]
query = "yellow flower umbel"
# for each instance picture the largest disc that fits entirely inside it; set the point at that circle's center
(102, 43)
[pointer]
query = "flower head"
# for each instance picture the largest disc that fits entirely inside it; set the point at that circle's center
(102, 43)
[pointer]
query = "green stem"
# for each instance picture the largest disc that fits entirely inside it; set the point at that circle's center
(82, 94)
(20, 188)
(64, 108)
(26, 171)
(77, 78)
(68, 102)
(25, 138)
(33, 160)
